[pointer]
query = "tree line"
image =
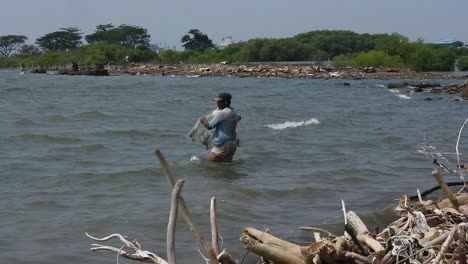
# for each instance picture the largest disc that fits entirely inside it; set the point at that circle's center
(122, 44)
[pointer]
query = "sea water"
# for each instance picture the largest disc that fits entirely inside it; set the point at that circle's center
(76, 156)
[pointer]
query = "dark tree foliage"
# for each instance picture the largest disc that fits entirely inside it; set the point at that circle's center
(326, 44)
(196, 41)
(28, 50)
(462, 63)
(125, 35)
(10, 43)
(65, 39)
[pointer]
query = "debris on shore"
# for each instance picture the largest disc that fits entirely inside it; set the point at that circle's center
(300, 71)
(434, 88)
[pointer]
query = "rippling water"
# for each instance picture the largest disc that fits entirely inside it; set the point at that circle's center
(76, 157)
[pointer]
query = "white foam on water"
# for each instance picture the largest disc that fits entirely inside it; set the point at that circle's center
(402, 96)
(381, 85)
(394, 90)
(289, 124)
(195, 159)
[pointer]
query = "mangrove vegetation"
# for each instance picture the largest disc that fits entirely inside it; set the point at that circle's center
(127, 44)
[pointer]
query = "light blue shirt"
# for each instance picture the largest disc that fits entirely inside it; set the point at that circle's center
(225, 123)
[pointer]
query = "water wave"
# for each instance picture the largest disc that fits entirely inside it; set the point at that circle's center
(402, 96)
(130, 133)
(39, 138)
(85, 148)
(25, 122)
(92, 115)
(56, 118)
(291, 124)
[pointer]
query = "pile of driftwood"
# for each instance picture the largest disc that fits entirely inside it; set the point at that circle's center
(426, 231)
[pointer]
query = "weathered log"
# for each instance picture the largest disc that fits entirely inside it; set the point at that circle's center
(208, 250)
(271, 247)
(327, 251)
(171, 225)
(462, 200)
(214, 227)
(362, 232)
(445, 188)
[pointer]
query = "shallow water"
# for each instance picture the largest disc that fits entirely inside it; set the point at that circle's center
(77, 156)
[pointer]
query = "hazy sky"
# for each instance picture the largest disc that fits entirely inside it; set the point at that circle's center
(168, 21)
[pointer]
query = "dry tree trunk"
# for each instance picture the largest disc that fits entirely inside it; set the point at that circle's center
(446, 189)
(271, 247)
(362, 233)
(214, 226)
(171, 225)
(208, 250)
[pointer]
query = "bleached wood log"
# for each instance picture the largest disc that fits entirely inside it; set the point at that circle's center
(462, 199)
(356, 223)
(317, 237)
(445, 188)
(214, 227)
(271, 247)
(362, 233)
(171, 225)
(327, 251)
(208, 250)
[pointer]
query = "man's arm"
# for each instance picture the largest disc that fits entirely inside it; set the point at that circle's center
(205, 122)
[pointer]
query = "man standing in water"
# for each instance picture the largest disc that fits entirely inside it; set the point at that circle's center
(224, 122)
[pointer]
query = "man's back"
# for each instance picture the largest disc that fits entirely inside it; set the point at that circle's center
(225, 123)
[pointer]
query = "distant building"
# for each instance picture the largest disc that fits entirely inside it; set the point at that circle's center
(226, 41)
(158, 48)
(449, 42)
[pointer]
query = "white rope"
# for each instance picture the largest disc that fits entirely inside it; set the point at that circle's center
(458, 155)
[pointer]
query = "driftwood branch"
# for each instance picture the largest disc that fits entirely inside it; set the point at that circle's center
(171, 225)
(208, 250)
(271, 247)
(362, 233)
(214, 227)
(139, 255)
(446, 189)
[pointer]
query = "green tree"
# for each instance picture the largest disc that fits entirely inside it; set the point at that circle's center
(10, 43)
(377, 58)
(444, 59)
(390, 44)
(462, 63)
(125, 35)
(428, 58)
(324, 44)
(196, 41)
(29, 50)
(64, 39)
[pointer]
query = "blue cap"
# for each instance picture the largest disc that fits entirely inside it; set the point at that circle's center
(223, 96)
